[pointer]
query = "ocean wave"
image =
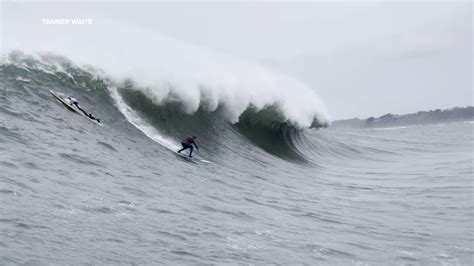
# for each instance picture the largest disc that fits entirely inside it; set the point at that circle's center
(165, 68)
(265, 128)
(167, 119)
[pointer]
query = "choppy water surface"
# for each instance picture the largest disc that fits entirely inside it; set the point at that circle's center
(73, 192)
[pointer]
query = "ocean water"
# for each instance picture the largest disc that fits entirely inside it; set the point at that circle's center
(73, 192)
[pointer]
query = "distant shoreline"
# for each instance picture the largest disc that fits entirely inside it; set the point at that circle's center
(437, 116)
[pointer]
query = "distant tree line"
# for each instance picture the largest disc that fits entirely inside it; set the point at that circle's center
(437, 116)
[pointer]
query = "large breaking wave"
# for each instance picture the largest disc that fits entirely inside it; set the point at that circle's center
(167, 70)
(168, 89)
(165, 119)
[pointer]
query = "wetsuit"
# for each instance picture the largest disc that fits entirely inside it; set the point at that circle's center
(188, 144)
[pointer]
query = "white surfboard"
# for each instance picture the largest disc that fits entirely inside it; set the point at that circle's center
(62, 98)
(193, 159)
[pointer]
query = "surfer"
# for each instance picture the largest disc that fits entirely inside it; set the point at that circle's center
(74, 102)
(188, 144)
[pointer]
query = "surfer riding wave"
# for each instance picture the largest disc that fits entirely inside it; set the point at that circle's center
(188, 144)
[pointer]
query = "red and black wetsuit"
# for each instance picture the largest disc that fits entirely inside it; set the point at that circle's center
(188, 144)
(190, 140)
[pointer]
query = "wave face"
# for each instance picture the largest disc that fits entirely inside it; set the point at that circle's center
(170, 117)
(265, 128)
(73, 192)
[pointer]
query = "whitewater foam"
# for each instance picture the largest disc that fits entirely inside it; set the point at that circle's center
(134, 119)
(166, 69)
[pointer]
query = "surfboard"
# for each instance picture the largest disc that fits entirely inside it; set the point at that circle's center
(62, 98)
(193, 159)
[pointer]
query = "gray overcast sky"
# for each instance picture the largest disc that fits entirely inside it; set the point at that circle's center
(363, 58)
